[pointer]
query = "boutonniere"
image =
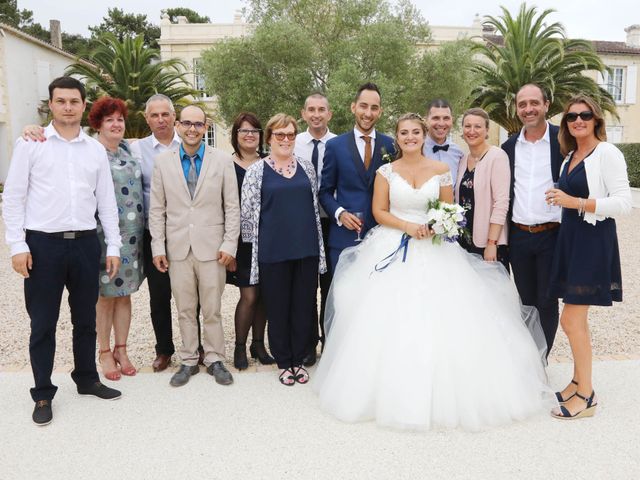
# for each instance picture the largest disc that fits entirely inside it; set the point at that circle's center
(386, 156)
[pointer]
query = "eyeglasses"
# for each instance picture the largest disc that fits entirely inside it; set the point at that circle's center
(586, 116)
(187, 124)
(247, 131)
(281, 136)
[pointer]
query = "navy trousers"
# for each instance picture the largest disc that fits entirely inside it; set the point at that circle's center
(60, 263)
(288, 289)
(531, 258)
(159, 301)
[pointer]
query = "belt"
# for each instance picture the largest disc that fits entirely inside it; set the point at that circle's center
(71, 235)
(540, 227)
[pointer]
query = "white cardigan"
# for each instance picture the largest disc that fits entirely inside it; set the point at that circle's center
(608, 182)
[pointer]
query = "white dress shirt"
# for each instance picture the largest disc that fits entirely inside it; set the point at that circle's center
(360, 144)
(532, 178)
(57, 186)
(147, 149)
(304, 150)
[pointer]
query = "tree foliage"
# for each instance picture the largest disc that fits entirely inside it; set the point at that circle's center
(332, 46)
(127, 25)
(11, 15)
(131, 71)
(192, 16)
(534, 51)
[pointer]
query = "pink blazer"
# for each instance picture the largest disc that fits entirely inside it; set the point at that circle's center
(490, 193)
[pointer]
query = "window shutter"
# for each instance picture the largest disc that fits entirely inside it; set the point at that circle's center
(632, 82)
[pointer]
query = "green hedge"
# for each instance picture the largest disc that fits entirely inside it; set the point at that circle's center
(631, 153)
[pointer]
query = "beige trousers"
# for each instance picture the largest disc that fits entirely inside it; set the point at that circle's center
(192, 279)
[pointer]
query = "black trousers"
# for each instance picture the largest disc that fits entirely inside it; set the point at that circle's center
(60, 263)
(531, 258)
(159, 301)
(317, 321)
(288, 289)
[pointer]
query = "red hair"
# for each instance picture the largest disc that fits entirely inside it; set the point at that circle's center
(103, 107)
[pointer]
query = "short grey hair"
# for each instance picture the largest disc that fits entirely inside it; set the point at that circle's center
(158, 97)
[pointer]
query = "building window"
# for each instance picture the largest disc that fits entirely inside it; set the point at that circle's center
(614, 134)
(614, 83)
(198, 75)
(210, 138)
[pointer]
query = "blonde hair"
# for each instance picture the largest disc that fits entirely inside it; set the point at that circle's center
(279, 120)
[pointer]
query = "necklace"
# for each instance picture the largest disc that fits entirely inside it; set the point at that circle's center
(289, 167)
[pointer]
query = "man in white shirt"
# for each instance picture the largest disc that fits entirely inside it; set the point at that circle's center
(437, 145)
(311, 145)
(160, 116)
(51, 196)
(535, 158)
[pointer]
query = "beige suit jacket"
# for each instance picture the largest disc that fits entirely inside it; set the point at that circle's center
(207, 224)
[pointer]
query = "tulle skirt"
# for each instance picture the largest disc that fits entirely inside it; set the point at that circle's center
(440, 339)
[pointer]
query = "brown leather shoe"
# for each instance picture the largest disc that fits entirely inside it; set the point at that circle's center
(161, 362)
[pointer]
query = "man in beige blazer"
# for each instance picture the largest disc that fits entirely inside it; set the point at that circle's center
(194, 208)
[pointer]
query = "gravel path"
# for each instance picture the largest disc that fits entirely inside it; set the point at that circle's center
(615, 330)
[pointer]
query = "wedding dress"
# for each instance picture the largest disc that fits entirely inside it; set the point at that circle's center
(439, 339)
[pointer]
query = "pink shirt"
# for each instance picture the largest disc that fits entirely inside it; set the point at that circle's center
(490, 194)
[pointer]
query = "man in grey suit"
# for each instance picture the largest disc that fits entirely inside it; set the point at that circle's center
(195, 210)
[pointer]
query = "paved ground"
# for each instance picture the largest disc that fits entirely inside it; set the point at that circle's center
(259, 429)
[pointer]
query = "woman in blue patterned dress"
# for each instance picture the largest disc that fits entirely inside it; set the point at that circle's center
(113, 310)
(593, 188)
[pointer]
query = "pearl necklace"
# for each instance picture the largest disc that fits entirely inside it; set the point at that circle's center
(289, 168)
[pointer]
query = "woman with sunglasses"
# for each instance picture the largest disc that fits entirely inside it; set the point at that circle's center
(280, 217)
(247, 140)
(593, 187)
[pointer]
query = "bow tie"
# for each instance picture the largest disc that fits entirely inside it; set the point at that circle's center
(440, 147)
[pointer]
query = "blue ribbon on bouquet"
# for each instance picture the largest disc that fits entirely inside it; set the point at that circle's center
(389, 259)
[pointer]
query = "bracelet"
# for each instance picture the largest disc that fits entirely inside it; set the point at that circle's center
(492, 242)
(581, 205)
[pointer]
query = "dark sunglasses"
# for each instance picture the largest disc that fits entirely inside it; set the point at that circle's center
(586, 116)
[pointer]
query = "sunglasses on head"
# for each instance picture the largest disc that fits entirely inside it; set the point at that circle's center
(586, 116)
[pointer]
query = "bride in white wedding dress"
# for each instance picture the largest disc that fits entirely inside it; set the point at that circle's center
(436, 339)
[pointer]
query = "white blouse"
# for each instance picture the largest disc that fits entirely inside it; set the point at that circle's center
(608, 182)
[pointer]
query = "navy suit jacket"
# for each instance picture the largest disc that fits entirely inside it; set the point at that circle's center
(345, 183)
(556, 159)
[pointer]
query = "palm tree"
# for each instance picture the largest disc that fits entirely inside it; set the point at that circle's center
(131, 71)
(528, 50)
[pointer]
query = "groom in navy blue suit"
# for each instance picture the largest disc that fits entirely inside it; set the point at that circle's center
(350, 164)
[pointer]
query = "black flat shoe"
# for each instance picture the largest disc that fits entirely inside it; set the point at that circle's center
(99, 390)
(300, 374)
(42, 414)
(257, 350)
(240, 357)
(310, 359)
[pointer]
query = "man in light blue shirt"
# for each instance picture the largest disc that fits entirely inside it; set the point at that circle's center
(437, 146)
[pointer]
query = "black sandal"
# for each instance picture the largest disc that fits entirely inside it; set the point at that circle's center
(559, 394)
(301, 375)
(287, 378)
(588, 411)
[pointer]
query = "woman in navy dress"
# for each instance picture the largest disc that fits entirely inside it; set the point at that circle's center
(593, 188)
(280, 216)
(247, 141)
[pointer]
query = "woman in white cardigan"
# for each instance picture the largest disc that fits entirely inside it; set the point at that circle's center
(593, 187)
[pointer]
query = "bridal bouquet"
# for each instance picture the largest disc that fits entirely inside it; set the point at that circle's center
(446, 220)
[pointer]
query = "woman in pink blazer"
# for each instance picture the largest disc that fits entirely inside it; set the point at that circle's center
(483, 189)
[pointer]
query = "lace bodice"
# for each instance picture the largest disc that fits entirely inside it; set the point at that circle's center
(410, 203)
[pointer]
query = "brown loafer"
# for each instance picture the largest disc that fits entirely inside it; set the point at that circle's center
(161, 362)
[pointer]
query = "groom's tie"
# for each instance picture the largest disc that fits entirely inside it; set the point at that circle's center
(367, 151)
